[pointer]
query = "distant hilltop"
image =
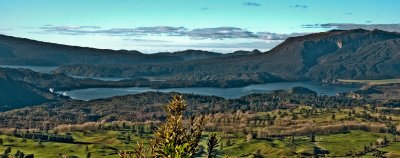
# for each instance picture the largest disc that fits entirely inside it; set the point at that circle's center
(325, 56)
(21, 51)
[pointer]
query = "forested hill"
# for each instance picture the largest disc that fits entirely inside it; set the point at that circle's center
(148, 106)
(355, 54)
(191, 54)
(21, 51)
(336, 54)
(16, 94)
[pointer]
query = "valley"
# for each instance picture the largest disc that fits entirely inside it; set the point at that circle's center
(199, 79)
(303, 98)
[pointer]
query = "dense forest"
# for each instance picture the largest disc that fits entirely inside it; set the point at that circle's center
(298, 118)
(148, 106)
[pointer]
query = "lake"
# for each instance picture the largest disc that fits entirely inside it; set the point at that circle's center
(229, 93)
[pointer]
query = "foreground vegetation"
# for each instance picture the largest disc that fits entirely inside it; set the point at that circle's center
(106, 144)
(292, 130)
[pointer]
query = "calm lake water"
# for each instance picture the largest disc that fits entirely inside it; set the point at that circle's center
(229, 93)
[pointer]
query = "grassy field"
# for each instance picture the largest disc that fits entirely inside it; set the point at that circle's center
(106, 143)
(393, 149)
(269, 147)
(99, 145)
(340, 144)
(371, 82)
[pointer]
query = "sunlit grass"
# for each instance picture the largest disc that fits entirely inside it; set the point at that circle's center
(371, 82)
(340, 144)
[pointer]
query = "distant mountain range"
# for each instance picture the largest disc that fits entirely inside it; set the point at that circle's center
(188, 55)
(21, 51)
(325, 56)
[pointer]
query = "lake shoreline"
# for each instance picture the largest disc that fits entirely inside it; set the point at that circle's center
(228, 93)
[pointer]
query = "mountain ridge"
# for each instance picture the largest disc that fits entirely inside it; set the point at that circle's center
(322, 56)
(28, 52)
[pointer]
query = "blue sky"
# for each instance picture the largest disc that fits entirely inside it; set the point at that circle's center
(169, 25)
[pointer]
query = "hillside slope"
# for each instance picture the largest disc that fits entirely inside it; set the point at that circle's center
(301, 57)
(20, 51)
(192, 54)
(336, 54)
(379, 60)
(15, 94)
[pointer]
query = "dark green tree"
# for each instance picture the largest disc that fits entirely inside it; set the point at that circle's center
(228, 142)
(312, 137)
(88, 155)
(212, 144)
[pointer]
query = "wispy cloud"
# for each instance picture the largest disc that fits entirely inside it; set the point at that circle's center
(348, 26)
(309, 26)
(276, 36)
(198, 33)
(71, 30)
(6, 29)
(205, 8)
(299, 6)
(82, 30)
(146, 40)
(220, 33)
(253, 4)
